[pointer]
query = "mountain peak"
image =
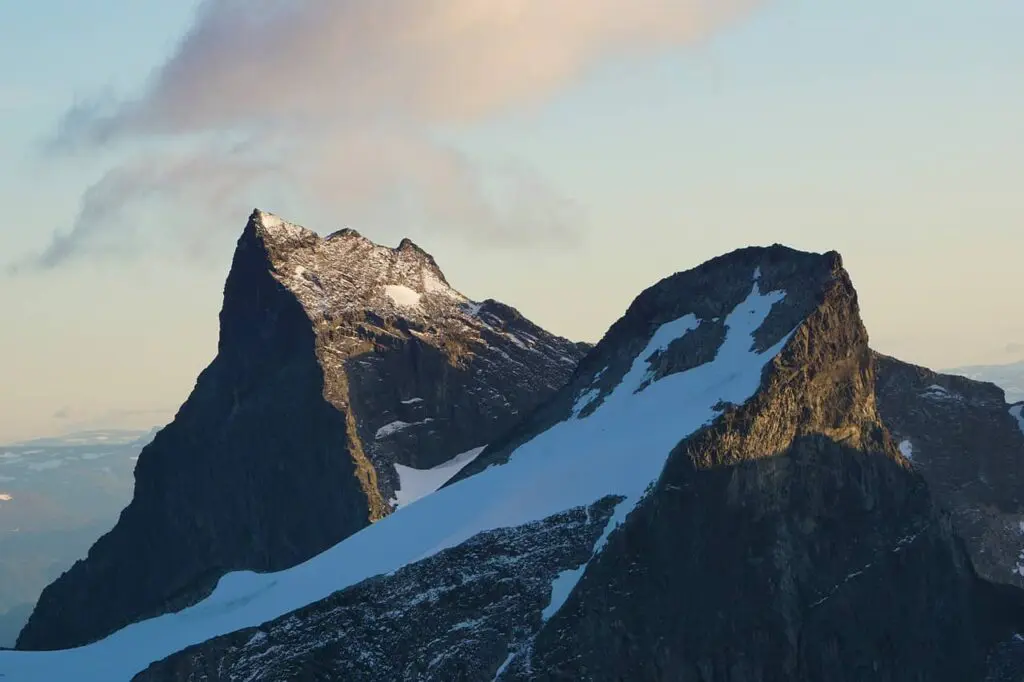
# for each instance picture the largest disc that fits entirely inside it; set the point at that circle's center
(276, 228)
(347, 271)
(409, 245)
(346, 371)
(346, 233)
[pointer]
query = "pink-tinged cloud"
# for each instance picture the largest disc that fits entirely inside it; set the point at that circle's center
(271, 62)
(347, 93)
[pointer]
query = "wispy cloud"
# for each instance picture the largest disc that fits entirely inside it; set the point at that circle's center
(342, 96)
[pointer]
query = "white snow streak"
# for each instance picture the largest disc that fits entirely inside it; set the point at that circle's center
(415, 484)
(433, 285)
(619, 449)
(907, 449)
(561, 588)
(584, 401)
(396, 426)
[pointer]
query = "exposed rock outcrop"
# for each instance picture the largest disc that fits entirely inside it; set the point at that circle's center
(449, 617)
(965, 440)
(785, 538)
(338, 360)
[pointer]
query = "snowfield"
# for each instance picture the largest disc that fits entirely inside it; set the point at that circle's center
(618, 449)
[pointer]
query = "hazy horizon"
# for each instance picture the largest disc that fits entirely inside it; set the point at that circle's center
(580, 155)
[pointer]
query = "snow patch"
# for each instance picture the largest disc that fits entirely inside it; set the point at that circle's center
(619, 449)
(402, 296)
(938, 393)
(396, 426)
(584, 401)
(504, 666)
(412, 401)
(269, 220)
(561, 588)
(415, 484)
(566, 581)
(907, 449)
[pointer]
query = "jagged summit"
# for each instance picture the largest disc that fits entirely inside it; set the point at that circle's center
(710, 497)
(345, 372)
(348, 272)
(276, 229)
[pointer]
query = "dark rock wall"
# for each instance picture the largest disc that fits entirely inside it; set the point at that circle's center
(275, 455)
(964, 441)
(789, 541)
(252, 473)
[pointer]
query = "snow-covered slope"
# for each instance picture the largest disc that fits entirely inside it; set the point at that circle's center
(719, 447)
(619, 448)
(729, 474)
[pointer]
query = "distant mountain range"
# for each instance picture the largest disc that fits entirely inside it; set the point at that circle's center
(1009, 377)
(57, 496)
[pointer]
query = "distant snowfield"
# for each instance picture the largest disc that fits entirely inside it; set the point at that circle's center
(1009, 377)
(94, 437)
(618, 449)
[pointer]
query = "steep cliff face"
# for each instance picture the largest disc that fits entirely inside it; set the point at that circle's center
(763, 524)
(966, 441)
(344, 370)
(811, 551)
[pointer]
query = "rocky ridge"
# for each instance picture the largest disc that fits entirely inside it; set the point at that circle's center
(785, 536)
(963, 437)
(339, 361)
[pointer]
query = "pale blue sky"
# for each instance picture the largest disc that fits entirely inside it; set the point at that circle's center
(890, 131)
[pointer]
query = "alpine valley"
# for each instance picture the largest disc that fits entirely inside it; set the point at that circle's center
(379, 478)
